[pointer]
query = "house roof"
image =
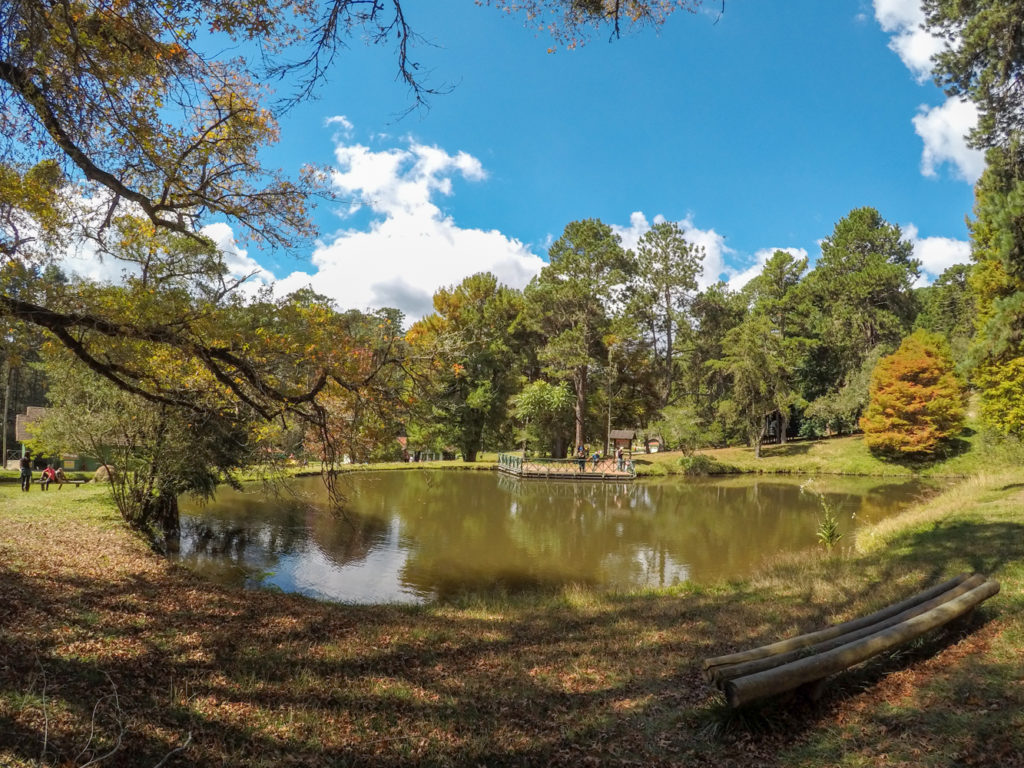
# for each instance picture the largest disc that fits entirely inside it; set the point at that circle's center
(622, 434)
(22, 420)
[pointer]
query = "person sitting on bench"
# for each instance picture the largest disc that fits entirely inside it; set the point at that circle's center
(49, 476)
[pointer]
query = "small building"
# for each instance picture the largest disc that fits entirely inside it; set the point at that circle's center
(621, 438)
(69, 461)
(653, 444)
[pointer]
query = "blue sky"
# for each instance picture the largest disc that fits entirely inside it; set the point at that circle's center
(756, 132)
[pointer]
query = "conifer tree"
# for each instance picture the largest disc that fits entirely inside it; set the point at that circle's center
(917, 400)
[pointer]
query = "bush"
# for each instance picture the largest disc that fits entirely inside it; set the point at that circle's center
(917, 402)
(700, 464)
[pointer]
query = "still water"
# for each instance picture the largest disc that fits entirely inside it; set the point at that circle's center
(414, 536)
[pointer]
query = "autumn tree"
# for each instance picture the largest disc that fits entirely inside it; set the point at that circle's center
(917, 400)
(466, 354)
(570, 304)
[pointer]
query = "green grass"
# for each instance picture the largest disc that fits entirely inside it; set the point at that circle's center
(974, 452)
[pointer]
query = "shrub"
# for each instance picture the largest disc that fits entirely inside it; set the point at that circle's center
(916, 400)
(701, 464)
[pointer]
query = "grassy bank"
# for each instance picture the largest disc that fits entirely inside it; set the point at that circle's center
(973, 453)
(98, 636)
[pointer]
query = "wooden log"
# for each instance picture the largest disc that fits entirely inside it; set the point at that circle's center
(719, 675)
(801, 641)
(744, 690)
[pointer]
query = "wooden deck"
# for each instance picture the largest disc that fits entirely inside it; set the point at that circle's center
(565, 469)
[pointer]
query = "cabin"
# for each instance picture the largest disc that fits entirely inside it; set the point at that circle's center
(621, 438)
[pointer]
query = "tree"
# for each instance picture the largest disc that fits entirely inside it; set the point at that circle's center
(983, 61)
(917, 401)
(754, 359)
(997, 353)
(716, 310)
(117, 110)
(545, 411)
(154, 453)
(665, 277)
(775, 294)
(467, 352)
(948, 308)
(569, 303)
(862, 298)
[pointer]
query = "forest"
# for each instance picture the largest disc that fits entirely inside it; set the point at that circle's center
(181, 372)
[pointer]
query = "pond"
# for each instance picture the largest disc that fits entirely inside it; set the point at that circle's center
(415, 536)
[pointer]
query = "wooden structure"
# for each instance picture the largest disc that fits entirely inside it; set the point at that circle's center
(69, 461)
(622, 438)
(809, 659)
(565, 469)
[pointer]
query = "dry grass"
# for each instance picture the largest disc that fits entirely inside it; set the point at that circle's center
(579, 678)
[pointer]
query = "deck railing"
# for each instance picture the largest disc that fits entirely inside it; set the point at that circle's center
(606, 468)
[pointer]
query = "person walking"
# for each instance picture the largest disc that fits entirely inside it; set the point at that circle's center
(26, 473)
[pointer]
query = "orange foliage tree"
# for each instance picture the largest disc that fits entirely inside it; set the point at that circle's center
(917, 401)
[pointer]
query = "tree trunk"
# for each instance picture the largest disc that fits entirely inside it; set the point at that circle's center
(783, 425)
(170, 521)
(580, 383)
(668, 347)
(7, 397)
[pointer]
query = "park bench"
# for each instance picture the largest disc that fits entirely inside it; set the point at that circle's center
(807, 660)
(75, 483)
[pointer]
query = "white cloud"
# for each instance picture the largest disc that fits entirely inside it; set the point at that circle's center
(411, 248)
(943, 129)
(937, 254)
(914, 45)
(237, 260)
(716, 251)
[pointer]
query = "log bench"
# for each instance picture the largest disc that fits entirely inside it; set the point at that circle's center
(807, 660)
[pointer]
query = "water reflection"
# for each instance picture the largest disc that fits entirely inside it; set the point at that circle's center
(420, 535)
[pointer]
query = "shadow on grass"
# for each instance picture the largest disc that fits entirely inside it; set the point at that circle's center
(952, 448)
(789, 449)
(261, 679)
